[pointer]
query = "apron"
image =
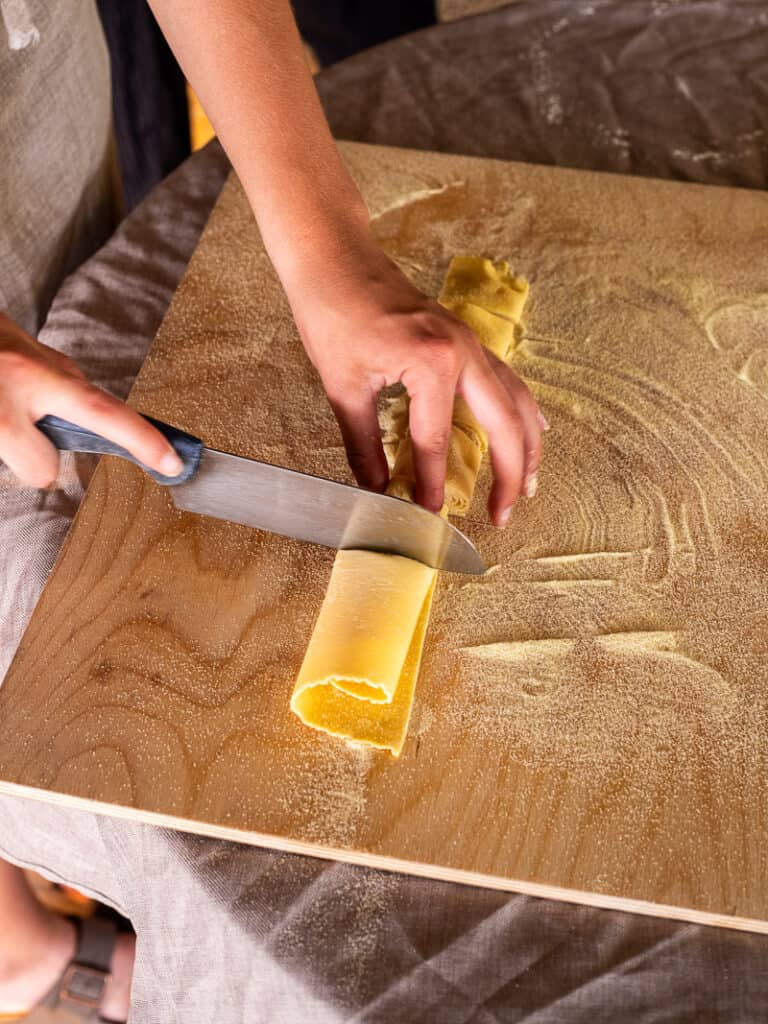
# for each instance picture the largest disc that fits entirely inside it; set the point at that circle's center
(58, 181)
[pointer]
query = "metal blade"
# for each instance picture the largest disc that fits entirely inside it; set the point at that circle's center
(322, 511)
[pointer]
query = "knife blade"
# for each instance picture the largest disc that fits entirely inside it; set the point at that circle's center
(287, 502)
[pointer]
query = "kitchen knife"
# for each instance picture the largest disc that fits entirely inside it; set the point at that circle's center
(284, 501)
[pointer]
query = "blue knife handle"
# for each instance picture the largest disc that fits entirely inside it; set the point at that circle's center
(69, 437)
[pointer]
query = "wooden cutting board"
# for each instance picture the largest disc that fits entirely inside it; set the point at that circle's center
(591, 717)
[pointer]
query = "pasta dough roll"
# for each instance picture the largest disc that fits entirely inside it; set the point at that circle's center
(359, 672)
(369, 610)
(491, 286)
(495, 332)
(464, 456)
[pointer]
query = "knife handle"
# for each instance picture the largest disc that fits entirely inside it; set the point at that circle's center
(69, 437)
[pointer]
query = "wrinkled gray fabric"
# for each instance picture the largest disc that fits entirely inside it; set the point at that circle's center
(232, 933)
(57, 182)
(667, 88)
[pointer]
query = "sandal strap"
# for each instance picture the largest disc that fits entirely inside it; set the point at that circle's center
(76, 996)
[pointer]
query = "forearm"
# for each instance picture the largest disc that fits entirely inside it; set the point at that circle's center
(246, 62)
(363, 323)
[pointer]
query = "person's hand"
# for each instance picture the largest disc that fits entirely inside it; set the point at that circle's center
(35, 381)
(365, 327)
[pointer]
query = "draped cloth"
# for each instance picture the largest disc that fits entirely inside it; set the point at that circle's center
(59, 195)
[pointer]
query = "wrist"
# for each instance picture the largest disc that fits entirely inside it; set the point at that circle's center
(329, 252)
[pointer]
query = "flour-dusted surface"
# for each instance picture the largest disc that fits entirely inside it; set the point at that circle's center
(589, 716)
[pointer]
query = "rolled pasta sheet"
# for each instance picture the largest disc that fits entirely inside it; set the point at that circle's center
(360, 669)
(464, 457)
(393, 423)
(464, 417)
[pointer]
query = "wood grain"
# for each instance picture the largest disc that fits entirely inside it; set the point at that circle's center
(590, 717)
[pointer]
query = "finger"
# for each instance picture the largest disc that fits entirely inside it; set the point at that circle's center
(498, 414)
(430, 416)
(359, 424)
(27, 453)
(530, 416)
(95, 410)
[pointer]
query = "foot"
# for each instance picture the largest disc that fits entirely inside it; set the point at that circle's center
(22, 986)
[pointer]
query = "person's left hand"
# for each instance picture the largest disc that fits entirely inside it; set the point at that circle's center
(365, 326)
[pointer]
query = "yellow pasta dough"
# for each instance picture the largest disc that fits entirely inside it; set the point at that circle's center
(360, 669)
(488, 285)
(494, 331)
(465, 453)
(359, 673)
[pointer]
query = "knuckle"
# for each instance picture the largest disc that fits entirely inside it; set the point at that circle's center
(512, 378)
(510, 484)
(443, 358)
(341, 393)
(520, 388)
(468, 336)
(528, 401)
(534, 444)
(97, 402)
(334, 393)
(532, 462)
(525, 390)
(434, 446)
(427, 324)
(514, 421)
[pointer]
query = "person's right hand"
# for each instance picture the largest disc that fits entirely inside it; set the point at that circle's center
(36, 381)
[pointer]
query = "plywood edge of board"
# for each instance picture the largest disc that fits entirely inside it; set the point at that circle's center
(395, 865)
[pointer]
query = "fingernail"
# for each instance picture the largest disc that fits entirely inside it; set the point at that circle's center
(504, 517)
(531, 485)
(543, 423)
(171, 464)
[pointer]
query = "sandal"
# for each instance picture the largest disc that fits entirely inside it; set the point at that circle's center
(77, 993)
